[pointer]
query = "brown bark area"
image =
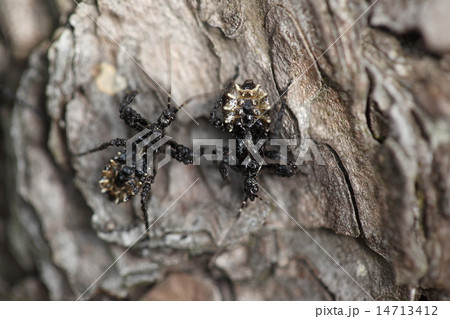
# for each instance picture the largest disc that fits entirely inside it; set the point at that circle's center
(373, 96)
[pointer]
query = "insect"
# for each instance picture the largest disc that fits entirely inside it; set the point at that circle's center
(245, 115)
(121, 181)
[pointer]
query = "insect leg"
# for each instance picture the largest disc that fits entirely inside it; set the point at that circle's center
(224, 172)
(145, 195)
(169, 68)
(213, 118)
(225, 164)
(131, 117)
(114, 142)
(274, 155)
(181, 153)
(250, 187)
(283, 170)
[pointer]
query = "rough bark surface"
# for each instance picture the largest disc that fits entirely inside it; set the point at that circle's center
(368, 217)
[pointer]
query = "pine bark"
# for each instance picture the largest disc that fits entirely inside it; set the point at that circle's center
(368, 215)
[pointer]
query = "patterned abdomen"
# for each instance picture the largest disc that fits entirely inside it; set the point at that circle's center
(119, 181)
(245, 105)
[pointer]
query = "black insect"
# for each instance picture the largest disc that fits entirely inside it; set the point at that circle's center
(121, 181)
(245, 110)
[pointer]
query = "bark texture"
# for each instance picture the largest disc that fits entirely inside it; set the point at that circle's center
(368, 217)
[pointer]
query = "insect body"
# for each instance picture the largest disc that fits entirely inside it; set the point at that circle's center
(121, 181)
(245, 115)
(245, 104)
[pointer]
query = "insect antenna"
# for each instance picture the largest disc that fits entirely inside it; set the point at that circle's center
(195, 97)
(169, 68)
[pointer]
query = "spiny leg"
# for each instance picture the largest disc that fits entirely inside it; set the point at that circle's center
(274, 155)
(168, 115)
(181, 153)
(137, 122)
(114, 142)
(224, 172)
(225, 164)
(287, 170)
(219, 102)
(131, 117)
(277, 155)
(251, 190)
(145, 195)
(283, 170)
(213, 118)
(216, 121)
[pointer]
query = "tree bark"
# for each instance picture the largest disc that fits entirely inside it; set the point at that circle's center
(367, 217)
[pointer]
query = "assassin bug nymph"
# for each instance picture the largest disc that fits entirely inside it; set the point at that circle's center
(245, 115)
(122, 182)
